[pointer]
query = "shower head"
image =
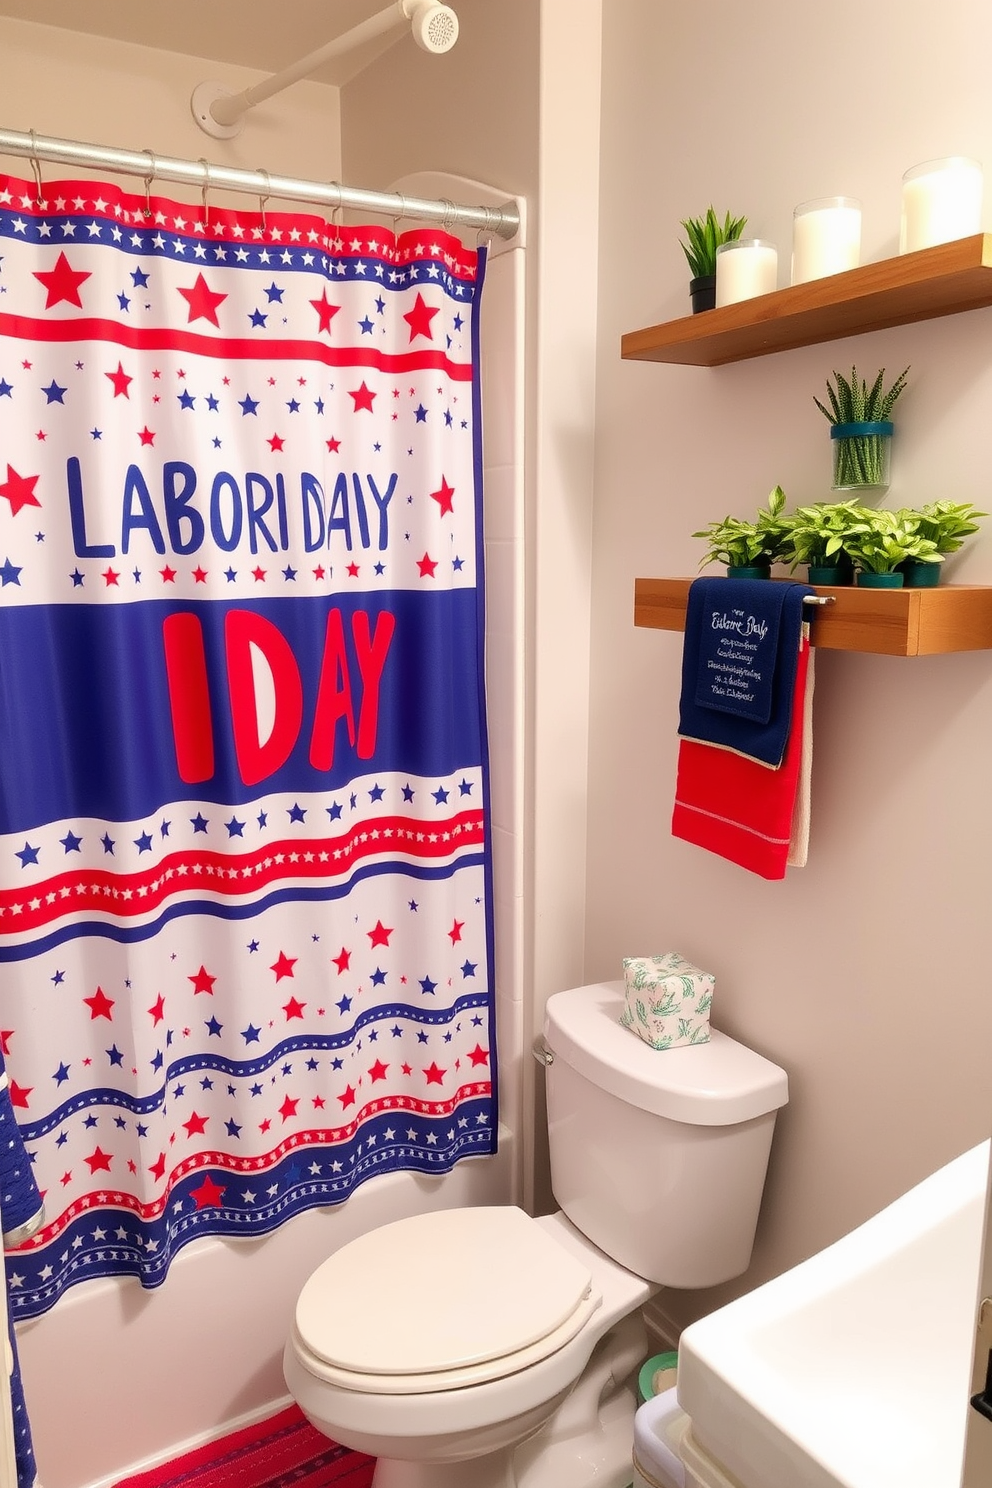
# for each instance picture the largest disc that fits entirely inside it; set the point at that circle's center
(434, 26)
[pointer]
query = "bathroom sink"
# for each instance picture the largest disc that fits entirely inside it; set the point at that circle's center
(853, 1370)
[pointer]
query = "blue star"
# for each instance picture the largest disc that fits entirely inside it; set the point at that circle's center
(230, 574)
(263, 819)
(251, 1034)
(319, 405)
(289, 573)
(212, 403)
(257, 318)
(108, 842)
(468, 968)
(91, 1121)
(273, 293)
(141, 1130)
(312, 1063)
(198, 822)
(248, 405)
(337, 1064)
(296, 812)
(420, 413)
(344, 1006)
(253, 946)
(206, 1083)
(457, 563)
(366, 326)
(396, 1031)
(448, 420)
(427, 986)
(27, 854)
(136, 572)
(139, 278)
(464, 787)
(9, 574)
(334, 812)
(144, 842)
(6, 388)
(235, 828)
(186, 399)
(62, 1073)
(293, 406)
(457, 322)
(58, 978)
(476, 1021)
(380, 305)
(380, 568)
(96, 433)
(158, 1061)
(378, 977)
(233, 1129)
(376, 793)
(70, 842)
(124, 302)
(440, 795)
(213, 1027)
(178, 1090)
(255, 1090)
(353, 800)
(413, 906)
(61, 1139)
(421, 1037)
(408, 792)
(287, 1069)
(115, 1055)
(54, 393)
(164, 827)
(120, 1122)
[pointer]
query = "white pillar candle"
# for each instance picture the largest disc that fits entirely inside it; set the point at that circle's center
(826, 238)
(745, 268)
(941, 201)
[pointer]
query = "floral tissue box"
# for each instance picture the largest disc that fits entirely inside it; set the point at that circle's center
(667, 1000)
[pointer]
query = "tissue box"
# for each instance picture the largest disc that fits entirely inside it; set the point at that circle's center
(667, 1000)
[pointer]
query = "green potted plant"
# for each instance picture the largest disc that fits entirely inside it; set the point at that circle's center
(861, 429)
(705, 234)
(817, 536)
(946, 524)
(749, 548)
(880, 541)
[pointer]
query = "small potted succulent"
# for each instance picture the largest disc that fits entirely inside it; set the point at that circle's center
(705, 234)
(880, 541)
(861, 429)
(818, 535)
(749, 548)
(946, 524)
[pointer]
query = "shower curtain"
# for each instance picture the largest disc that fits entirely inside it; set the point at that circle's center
(245, 880)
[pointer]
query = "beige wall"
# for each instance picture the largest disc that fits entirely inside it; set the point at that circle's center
(866, 974)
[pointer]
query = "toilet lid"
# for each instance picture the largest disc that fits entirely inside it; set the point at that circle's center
(443, 1292)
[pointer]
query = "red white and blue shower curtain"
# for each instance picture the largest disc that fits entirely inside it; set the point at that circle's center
(245, 897)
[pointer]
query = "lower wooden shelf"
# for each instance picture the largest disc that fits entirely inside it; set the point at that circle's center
(887, 622)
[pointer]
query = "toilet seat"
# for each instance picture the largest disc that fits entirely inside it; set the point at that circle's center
(442, 1301)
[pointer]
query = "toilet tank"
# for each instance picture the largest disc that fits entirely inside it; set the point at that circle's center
(657, 1156)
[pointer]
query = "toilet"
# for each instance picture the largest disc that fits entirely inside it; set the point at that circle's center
(481, 1348)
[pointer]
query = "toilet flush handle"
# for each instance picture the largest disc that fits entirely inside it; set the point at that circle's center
(542, 1053)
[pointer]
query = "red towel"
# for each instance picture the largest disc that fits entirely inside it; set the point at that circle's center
(737, 808)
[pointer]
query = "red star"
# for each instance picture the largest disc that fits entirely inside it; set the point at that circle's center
(378, 1070)
(157, 1010)
(284, 966)
(363, 397)
(443, 496)
(407, 1069)
(325, 312)
(293, 1009)
(288, 1108)
(208, 1195)
(200, 574)
(478, 1055)
(342, 962)
(98, 1161)
(319, 1102)
(258, 574)
(348, 1099)
(196, 1125)
(275, 443)
(202, 301)
(146, 436)
(66, 1178)
(19, 1094)
(99, 1005)
(110, 578)
(333, 445)
(202, 981)
(19, 490)
(420, 317)
(168, 575)
(6, 1034)
(455, 933)
(263, 1126)
(121, 381)
(352, 570)
(427, 565)
(62, 283)
(379, 935)
(318, 572)
(434, 1075)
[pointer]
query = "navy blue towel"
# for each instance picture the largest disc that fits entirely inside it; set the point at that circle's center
(739, 664)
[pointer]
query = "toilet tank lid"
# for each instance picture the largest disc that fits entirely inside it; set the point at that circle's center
(713, 1084)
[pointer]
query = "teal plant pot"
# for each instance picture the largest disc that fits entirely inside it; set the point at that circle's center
(835, 576)
(879, 581)
(749, 571)
(862, 456)
(919, 575)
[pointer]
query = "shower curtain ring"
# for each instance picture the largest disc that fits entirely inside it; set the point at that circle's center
(206, 188)
(484, 236)
(147, 209)
(36, 168)
(337, 205)
(263, 199)
(401, 213)
(447, 221)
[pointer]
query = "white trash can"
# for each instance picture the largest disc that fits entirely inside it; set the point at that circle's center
(658, 1427)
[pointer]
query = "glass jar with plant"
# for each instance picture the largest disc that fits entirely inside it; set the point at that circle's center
(705, 235)
(817, 536)
(946, 524)
(880, 541)
(749, 548)
(861, 429)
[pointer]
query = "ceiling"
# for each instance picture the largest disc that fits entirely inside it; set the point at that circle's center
(259, 34)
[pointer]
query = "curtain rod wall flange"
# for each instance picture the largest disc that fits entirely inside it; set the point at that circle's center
(500, 222)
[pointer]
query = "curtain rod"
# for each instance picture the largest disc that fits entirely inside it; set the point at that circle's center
(502, 222)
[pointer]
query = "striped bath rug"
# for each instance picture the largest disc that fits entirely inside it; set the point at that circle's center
(284, 1451)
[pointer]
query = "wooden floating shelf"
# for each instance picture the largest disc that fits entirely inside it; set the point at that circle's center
(915, 286)
(887, 622)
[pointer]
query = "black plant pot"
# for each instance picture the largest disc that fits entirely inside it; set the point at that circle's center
(702, 292)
